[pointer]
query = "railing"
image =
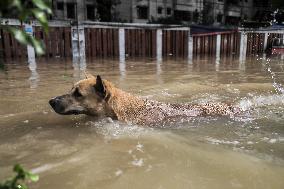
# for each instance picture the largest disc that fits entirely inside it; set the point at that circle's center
(101, 40)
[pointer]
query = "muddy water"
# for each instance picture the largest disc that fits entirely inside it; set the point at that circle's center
(207, 152)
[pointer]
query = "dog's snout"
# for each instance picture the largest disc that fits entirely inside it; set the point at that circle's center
(54, 101)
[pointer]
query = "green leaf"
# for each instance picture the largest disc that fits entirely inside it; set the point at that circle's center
(27, 39)
(17, 3)
(42, 5)
(32, 177)
(20, 36)
(38, 45)
(21, 186)
(18, 168)
(41, 17)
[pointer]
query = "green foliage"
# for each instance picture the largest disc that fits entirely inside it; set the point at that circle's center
(25, 10)
(17, 182)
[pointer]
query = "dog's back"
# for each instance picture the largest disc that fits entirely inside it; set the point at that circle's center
(134, 109)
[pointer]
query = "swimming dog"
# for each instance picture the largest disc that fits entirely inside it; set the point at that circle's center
(99, 97)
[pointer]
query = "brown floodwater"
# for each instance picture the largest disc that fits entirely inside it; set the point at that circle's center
(206, 152)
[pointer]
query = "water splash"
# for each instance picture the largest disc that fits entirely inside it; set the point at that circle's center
(277, 86)
(260, 101)
(112, 129)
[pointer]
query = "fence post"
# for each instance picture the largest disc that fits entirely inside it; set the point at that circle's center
(78, 41)
(159, 44)
(121, 39)
(265, 41)
(218, 47)
(243, 47)
(190, 47)
(30, 49)
(282, 55)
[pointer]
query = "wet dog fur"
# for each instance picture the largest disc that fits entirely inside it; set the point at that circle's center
(98, 97)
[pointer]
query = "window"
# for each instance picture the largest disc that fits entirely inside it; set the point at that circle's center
(160, 10)
(219, 17)
(90, 12)
(182, 15)
(195, 15)
(71, 10)
(60, 6)
(169, 11)
(142, 12)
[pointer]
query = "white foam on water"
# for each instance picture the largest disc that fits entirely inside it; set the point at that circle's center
(262, 100)
(118, 172)
(217, 141)
(138, 162)
(115, 129)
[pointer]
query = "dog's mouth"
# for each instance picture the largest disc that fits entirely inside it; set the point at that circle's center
(59, 108)
(71, 112)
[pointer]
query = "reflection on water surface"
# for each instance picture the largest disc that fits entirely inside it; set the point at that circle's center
(86, 152)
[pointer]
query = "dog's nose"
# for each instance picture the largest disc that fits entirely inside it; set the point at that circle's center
(52, 102)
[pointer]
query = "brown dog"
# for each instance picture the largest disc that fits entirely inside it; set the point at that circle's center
(94, 96)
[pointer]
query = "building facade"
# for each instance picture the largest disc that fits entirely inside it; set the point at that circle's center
(144, 11)
(209, 12)
(220, 12)
(74, 10)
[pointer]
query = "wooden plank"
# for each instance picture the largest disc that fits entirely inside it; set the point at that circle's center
(110, 42)
(61, 42)
(6, 46)
(94, 42)
(194, 51)
(140, 43)
(126, 34)
(147, 43)
(168, 41)
(135, 42)
(185, 43)
(100, 42)
(139, 52)
(154, 45)
(116, 40)
(67, 42)
(53, 41)
(173, 42)
(181, 43)
(143, 40)
(177, 43)
(132, 43)
(87, 43)
(1, 43)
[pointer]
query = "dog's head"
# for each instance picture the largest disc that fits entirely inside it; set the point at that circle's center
(88, 96)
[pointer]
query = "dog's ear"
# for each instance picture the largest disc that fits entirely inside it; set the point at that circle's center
(99, 87)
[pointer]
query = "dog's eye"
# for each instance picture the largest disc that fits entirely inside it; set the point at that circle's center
(77, 93)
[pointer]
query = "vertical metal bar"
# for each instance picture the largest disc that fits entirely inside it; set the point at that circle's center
(30, 49)
(159, 36)
(218, 46)
(243, 47)
(190, 47)
(121, 44)
(265, 41)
